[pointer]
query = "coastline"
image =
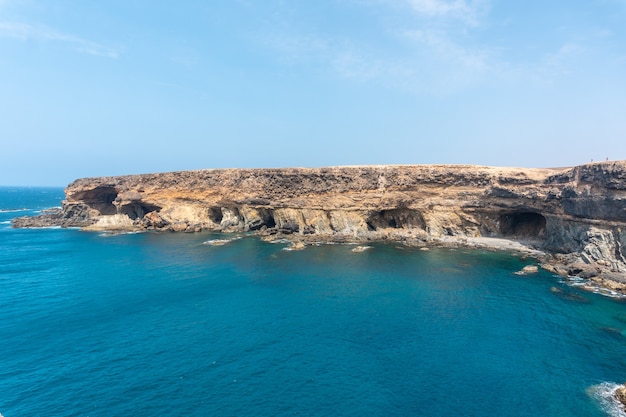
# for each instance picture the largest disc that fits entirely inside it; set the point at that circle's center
(615, 286)
(572, 220)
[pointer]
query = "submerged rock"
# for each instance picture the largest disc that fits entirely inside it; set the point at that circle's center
(612, 331)
(568, 295)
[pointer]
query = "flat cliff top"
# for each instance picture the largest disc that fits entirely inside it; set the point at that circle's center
(427, 169)
(319, 180)
(279, 186)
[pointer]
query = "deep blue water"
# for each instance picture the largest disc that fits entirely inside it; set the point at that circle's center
(163, 324)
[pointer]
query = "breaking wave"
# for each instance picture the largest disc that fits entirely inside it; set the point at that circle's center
(220, 242)
(13, 210)
(109, 233)
(604, 394)
(590, 286)
(48, 210)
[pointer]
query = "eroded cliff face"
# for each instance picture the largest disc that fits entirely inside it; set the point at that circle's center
(577, 213)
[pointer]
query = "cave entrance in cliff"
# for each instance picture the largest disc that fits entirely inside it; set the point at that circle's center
(138, 210)
(400, 218)
(100, 198)
(523, 224)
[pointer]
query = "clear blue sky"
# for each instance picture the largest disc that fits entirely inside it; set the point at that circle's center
(90, 88)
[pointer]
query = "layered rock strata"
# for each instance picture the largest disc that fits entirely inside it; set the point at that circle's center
(576, 214)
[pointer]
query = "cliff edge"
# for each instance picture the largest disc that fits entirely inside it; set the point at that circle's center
(578, 215)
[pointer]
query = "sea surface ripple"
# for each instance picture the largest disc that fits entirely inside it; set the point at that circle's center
(168, 324)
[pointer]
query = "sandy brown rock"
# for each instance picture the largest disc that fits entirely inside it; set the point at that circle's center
(528, 270)
(620, 394)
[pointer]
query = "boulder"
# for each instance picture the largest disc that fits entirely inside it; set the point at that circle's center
(527, 270)
(153, 220)
(620, 394)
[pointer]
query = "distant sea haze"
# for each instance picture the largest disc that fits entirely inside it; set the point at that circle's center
(203, 324)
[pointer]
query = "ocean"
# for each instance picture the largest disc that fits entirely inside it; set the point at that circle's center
(144, 324)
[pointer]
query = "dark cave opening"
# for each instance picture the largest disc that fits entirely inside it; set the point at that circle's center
(265, 219)
(270, 222)
(138, 210)
(100, 198)
(400, 218)
(523, 224)
(215, 214)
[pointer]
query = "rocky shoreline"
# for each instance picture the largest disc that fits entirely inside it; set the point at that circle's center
(573, 220)
(620, 395)
(523, 249)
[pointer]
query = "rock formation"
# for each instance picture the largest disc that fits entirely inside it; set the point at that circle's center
(620, 394)
(576, 214)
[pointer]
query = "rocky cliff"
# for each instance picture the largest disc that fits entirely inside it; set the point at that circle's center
(577, 214)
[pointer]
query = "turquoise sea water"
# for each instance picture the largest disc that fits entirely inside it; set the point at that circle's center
(164, 324)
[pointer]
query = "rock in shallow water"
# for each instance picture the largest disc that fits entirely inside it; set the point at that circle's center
(527, 270)
(620, 394)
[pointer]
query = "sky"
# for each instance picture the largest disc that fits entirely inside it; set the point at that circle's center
(122, 87)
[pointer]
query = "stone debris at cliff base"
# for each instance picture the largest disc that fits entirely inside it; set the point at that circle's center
(295, 246)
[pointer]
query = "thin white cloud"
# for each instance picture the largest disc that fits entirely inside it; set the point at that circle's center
(352, 65)
(439, 7)
(435, 50)
(299, 49)
(444, 49)
(344, 58)
(560, 63)
(468, 11)
(27, 32)
(432, 64)
(565, 53)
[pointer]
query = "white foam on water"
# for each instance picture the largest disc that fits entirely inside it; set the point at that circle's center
(117, 233)
(604, 394)
(590, 286)
(607, 292)
(220, 242)
(5, 222)
(279, 241)
(13, 210)
(44, 211)
(295, 246)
